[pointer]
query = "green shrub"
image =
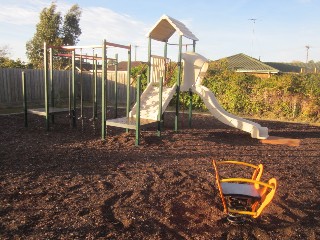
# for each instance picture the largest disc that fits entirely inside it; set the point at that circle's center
(284, 96)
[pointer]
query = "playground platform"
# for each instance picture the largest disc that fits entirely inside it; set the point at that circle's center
(52, 110)
(128, 122)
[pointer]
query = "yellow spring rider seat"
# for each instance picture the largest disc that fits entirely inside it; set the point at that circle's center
(244, 196)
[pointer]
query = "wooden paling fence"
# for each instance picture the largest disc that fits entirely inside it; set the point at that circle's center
(11, 87)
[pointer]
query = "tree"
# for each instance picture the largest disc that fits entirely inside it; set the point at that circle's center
(47, 30)
(71, 28)
(50, 30)
(6, 62)
(4, 51)
(9, 63)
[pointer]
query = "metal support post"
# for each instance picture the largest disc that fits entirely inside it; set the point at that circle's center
(73, 89)
(149, 61)
(190, 108)
(116, 87)
(137, 142)
(165, 54)
(81, 86)
(194, 46)
(103, 92)
(69, 86)
(160, 106)
(51, 82)
(128, 84)
(178, 84)
(95, 77)
(46, 84)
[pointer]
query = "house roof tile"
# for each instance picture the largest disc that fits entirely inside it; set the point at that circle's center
(123, 65)
(243, 63)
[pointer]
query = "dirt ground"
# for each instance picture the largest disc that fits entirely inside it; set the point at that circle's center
(68, 184)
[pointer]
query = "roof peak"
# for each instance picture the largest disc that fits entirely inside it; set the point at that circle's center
(244, 63)
(167, 26)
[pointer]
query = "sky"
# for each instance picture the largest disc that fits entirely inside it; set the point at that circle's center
(280, 32)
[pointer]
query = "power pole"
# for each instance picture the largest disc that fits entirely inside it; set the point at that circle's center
(307, 47)
(135, 52)
(253, 26)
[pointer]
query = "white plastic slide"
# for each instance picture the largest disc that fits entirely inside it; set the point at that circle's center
(225, 117)
(149, 102)
(195, 67)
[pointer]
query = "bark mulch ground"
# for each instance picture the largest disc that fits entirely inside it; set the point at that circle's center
(68, 184)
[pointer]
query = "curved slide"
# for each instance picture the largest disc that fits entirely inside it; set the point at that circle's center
(195, 67)
(227, 118)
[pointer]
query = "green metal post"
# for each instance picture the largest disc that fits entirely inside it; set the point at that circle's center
(95, 105)
(51, 82)
(46, 84)
(103, 93)
(24, 94)
(149, 61)
(106, 82)
(178, 85)
(160, 106)
(190, 91)
(116, 87)
(128, 84)
(137, 142)
(73, 89)
(69, 85)
(165, 54)
(93, 85)
(81, 86)
(190, 108)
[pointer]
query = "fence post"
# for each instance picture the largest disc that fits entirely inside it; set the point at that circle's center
(24, 94)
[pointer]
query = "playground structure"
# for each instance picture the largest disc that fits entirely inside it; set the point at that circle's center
(49, 91)
(152, 103)
(49, 108)
(192, 67)
(242, 196)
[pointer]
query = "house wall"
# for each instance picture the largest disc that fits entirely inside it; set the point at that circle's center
(262, 75)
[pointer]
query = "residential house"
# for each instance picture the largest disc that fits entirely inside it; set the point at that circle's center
(245, 64)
